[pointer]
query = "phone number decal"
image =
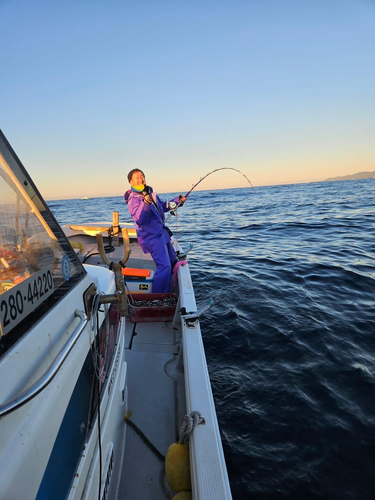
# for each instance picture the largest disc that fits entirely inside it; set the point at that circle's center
(22, 299)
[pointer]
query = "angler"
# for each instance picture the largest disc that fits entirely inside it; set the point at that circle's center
(147, 211)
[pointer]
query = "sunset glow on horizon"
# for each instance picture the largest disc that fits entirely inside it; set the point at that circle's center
(282, 91)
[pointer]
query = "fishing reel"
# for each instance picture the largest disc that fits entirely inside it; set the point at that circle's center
(182, 200)
(147, 191)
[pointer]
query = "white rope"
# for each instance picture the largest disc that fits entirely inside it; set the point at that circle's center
(94, 310)
(100, 375)
(189, 423)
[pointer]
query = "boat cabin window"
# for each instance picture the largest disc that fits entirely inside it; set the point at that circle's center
(37, 264)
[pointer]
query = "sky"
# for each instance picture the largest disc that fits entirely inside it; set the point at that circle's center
(283, 90)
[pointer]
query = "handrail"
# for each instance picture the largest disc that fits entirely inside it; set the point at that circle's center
(125, 236)
(99, 242)
(49, 375)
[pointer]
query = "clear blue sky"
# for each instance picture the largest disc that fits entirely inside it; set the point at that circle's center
(282, 90)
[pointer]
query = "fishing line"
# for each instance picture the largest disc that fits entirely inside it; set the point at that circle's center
(291, 259)
(217, 170)
(174, 211)
(304, 286)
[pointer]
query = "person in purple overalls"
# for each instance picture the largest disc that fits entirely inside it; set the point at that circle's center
(147, 211)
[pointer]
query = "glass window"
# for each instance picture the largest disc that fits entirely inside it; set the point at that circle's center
(37, 264)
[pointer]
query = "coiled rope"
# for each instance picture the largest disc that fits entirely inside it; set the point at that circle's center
(189, 424)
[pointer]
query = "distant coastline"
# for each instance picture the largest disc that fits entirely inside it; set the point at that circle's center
(358, 175)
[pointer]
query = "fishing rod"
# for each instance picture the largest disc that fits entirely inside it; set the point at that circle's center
(173, 212)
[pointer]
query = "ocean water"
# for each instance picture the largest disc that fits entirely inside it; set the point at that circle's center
(290, 341)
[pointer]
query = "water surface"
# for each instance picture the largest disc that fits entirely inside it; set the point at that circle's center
(290, 342)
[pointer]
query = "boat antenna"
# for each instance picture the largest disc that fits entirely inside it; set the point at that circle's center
(173, 212)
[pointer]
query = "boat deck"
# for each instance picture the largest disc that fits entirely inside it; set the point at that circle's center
(153, 401)
(156, 391)
(167, 378)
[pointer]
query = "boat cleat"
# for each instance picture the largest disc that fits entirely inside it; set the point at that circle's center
(182, 255)
(191, 319)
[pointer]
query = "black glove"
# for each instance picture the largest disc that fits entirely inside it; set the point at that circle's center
(147, 199)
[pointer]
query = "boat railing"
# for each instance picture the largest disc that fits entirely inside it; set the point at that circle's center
(49, 375)
(209, 473)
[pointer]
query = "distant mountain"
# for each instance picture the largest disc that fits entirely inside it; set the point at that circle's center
(359, 175)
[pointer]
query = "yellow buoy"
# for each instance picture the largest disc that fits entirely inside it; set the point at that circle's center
(183, 495)
(76, 244)
(177, 467)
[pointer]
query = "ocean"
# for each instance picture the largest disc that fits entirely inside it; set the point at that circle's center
(290, 340)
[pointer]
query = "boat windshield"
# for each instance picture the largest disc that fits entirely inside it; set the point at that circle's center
(37, 264)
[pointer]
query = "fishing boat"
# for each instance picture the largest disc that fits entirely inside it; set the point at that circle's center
(102, 382)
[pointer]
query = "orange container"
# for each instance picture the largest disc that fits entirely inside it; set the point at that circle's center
(133, 272)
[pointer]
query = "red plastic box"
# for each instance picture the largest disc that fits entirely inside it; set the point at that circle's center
(150, 314)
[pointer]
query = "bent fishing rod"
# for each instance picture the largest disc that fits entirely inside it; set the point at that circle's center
(173, 212)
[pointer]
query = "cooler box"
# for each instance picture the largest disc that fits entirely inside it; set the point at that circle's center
(138, 280)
